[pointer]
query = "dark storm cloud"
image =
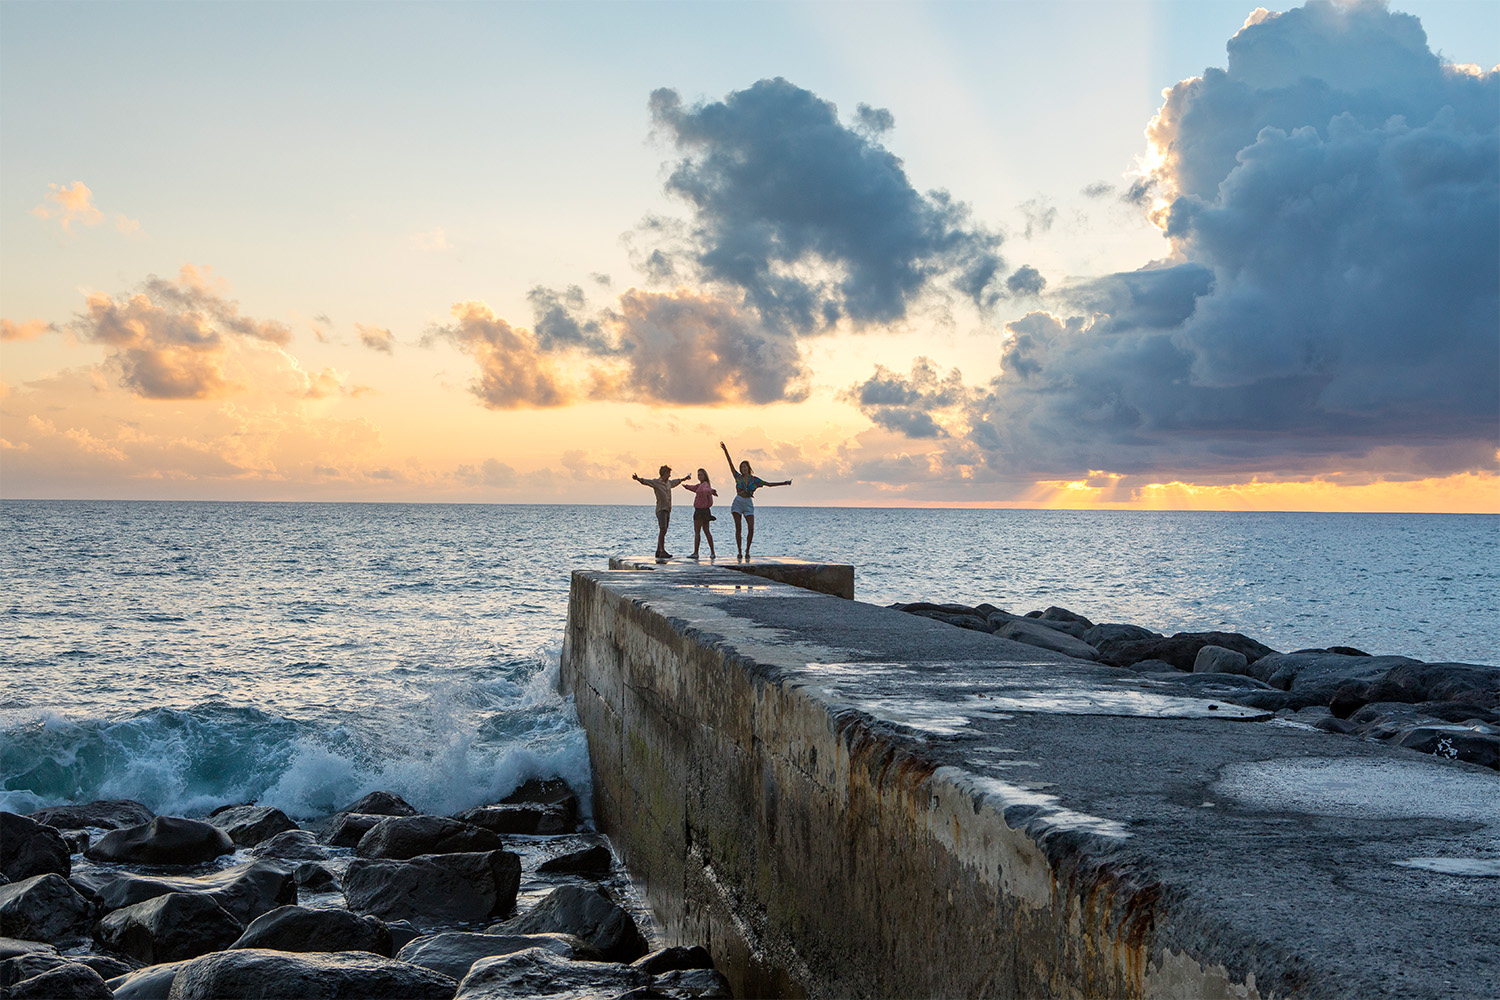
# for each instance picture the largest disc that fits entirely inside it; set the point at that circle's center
(812, 220)
(1026, 280)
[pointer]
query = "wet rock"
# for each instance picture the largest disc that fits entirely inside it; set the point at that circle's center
(77, 840)
(1469, 683)
(452, 953)
(924, 608)
(169, 928)
(107, 814)
(166, 840)
(525, 818)
(314, 877)
(676, 957)
(249, 825)
(974, 623)
(13, 970)
(1075, 629)
(435, 889)
(1309, 671)
(1036, 634)
(151, 983)
(44, 908)
(1179, 650)
(291, 845)
(263, 974)
(1218, 660)
(346, 829)
(294, 928)
(30, 848)
(692, 984)
(1113, 632)
(382, 804)
(244, 891)
(11, 947)
(586, 913)
(72, 981)
(537, 971)
(402, 837)
(1056, 614)
(1157, 667)
(1454, 743)
(403, 933)
(996, 618)
(594, 862)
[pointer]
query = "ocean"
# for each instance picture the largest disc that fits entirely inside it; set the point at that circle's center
(190, 655)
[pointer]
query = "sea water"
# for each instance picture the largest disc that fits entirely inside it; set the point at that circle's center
(190, 655)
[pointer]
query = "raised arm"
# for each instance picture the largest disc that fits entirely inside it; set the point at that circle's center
(787, 482)
(732, 472)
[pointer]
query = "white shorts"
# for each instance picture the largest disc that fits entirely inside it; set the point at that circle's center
(742, 505)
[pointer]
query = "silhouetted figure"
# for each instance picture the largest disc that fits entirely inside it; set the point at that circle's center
(703, 501)
(746, 482)
(663, 485)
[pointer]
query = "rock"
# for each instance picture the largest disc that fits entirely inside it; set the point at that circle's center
(13, 970)
(1111, 632)
(453, 952)
(586, 913)
(291, 845)
(923, 607)
(1455, 743)
(166, 840)
(1034, 633)
(107, 814)
(44, 908)
(315, 878)
(30, 848)
(77, 840)
(1218, 660)
(539, 971)
(346, 829)
(996, 618)
(1469, 683)
(671, 959)
(382, 804)
(402, 837)
(543, 792)
(1179, 650)
(249, 825)
(1306, 671)
(1056, 614)
(403, 933)
(72, 981)
(1075, 629)
(973, 622)
(169, 928)
(263, 974)
(594, 862)
(526, 818)
(151, 983)
(244, 891)
(12, 947)
(293, 928)
(435, 889)
(1162, 666)
(692, 984)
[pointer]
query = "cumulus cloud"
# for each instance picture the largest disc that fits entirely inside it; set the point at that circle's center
(906, 403)
(75, 203)
(1026, 280)
(376, 338)
(812, 220)
(170, 339)
(513, 369)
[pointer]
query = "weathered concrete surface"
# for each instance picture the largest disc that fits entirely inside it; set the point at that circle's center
(826, 578)
(849, 801)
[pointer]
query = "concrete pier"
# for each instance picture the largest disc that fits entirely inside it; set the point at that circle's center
(845, 800)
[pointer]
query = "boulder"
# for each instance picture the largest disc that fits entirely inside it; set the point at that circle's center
(402, 837)
(77, 840)
(44, 908)
(674, 958)
(71, 981)
(166, 840)
(1113, 632)
(435, 889)
(1218, 660)
(169, 928)
(1469, 683)
(1033, 633)
(293, 928)
(526, 818)
(973, 622)
(1179, 650)
(13, 970)
(586, 913)
(1454, 743)
(249, 825)
(30, 848)
(263, 974)
(291, 845)
(315, 878)
(1306, 671)
(543, 792)
(453, 952)
(692, 984)
(244, 891)
(382, 804)
(1056, 614)
(346, 829)
(12, 947)
(924, 607)
(594, 862)
(1075, 629)
(151, 983)
(403, 933)
(538, 971)
(106, 814)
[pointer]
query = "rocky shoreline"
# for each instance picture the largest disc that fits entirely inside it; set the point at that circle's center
(1447, 709)
(514, 899)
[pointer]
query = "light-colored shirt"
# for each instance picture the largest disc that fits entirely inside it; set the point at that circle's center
(664, 488)
(703, 494)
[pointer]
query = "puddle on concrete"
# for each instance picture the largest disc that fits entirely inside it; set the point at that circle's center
(1473, 867)
(1364, 789)
(1116, 701)
(1050, 811)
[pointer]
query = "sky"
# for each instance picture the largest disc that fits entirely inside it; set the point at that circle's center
(1067, 254)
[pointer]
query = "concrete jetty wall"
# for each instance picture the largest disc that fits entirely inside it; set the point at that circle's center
(845, 800)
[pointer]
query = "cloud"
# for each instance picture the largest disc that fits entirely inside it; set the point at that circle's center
(514, 371)
(1026, 280)
(170, 339)
(905, 404)
(1039, 215)
(811, 220)
(25, 331)
(75, 203)
(430, 241)
(556, 322)
(376, 338)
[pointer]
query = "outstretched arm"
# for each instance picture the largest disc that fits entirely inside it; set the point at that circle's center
(785, 483)
(639, 480)
(732, 471)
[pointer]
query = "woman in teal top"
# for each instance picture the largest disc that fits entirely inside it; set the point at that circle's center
(746, 482)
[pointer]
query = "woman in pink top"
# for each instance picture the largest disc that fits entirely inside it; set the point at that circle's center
(703, 501)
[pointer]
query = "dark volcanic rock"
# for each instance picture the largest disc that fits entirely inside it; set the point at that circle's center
(403, 933)
(537, 972)
(382, 804)
(402, 837)
(525, 818)
(263, 974)
(692, 984)
(1179, 650)
(435, 889)
(44, 908)
(293, 928)
(30, 848)
(1306, 671)
(314, 877)
(11, 947)
(586, 913)
(168, 928)
(676, 957)
(1218, 660)
(1056, 614)
(166, 840)
(454, 952)
(594, 862)
(1112, 632)
(108, 814)
(249, 825)
(244, 891)
(151, 983)
(346, 829)
(1035, 633)
(13, 970)
(72, 981)
(1454, 743)
(291, 845)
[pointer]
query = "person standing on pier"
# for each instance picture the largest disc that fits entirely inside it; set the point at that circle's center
(703, 501)
(663, 484)
(746, 482)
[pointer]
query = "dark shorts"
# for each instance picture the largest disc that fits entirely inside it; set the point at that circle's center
(702, 515)
(663, 517)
